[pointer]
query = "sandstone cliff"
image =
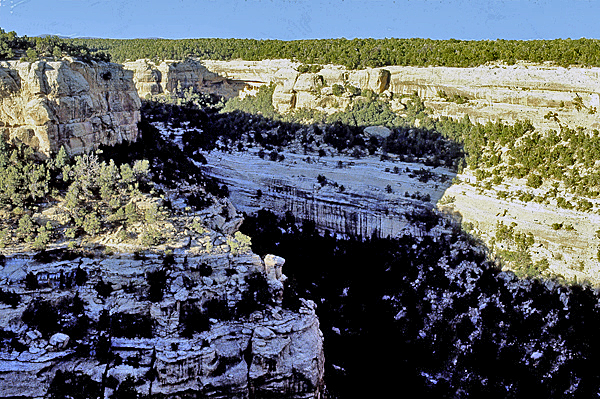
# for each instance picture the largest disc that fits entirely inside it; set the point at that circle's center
(171, 76)
(49, 104)
(489, 93)
(354, 200)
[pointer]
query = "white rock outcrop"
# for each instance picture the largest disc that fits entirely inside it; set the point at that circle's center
(270, 352)
(494, 92)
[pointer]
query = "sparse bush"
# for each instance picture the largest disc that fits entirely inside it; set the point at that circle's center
(73, 385)
(131, 325)
(31, 281)
(10, 298)
(192, 320)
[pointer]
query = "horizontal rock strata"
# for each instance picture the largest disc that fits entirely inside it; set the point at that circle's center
(270, 352)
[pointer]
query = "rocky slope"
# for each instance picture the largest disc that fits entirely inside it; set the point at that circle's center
(199, 334)
(49, 104)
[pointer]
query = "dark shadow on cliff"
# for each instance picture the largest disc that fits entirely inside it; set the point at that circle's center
(433, 316)
(169, 165)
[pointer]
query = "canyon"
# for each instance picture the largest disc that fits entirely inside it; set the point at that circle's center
(489, 93)
(273, 350)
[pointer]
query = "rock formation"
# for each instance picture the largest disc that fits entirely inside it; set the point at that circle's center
(169, 77)
(269, 352)
(353, 201)
(49, 104)
(488, 93)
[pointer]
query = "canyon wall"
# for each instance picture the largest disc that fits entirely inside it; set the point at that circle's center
(358, 199)
(49, 104)
(488, 93)
(264, 351)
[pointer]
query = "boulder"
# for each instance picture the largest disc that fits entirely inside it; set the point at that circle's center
(273, 266)
(59, 341)
(377, 131)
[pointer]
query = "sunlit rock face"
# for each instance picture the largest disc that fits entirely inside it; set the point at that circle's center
(49, 104)
(484, 93)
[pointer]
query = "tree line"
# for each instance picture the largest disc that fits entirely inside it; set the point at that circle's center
(32, 48)
(357, 53)
(354, 54)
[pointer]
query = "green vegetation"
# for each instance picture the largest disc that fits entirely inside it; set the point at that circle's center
(515, 251)
(357, 53)
(96, 195)
(33, 48)
(60, 199)
(456, 98)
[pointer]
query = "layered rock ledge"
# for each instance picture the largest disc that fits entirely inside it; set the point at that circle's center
(273, 352)
(486, 93)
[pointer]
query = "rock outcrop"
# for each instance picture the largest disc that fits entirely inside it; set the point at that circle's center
(195, 340)
(485, 93)
(168, 77)
(49, 104)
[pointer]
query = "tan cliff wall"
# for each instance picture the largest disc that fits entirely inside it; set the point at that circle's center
(169, 76)
(494, 92)
(49, 104)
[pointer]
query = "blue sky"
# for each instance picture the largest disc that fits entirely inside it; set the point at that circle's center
(304, 19)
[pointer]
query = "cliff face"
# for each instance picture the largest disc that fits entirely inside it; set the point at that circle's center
(353, 201)
(269, 352)
(170, 76)
(490, 93)
(67, 103)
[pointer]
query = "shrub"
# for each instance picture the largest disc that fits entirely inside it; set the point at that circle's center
(205, 270)
(31, 281)
(69, 384)
(43, 316)
(126, 390)
(151, 237)
(534, 181)
(81, 276)
(10, 298)
(104, 289)
(192, 320)
(103, 349)
(256, 297)
(131, 325)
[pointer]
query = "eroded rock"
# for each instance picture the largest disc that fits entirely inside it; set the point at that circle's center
(49, 104)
